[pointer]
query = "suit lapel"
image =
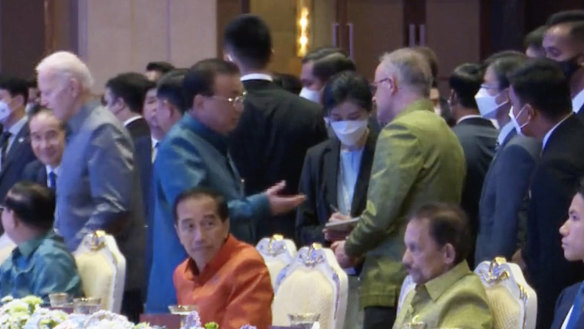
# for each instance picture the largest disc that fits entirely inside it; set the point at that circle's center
(20, 140)
(330, 172)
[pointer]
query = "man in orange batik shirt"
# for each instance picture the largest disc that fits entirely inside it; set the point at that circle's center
(225, 278)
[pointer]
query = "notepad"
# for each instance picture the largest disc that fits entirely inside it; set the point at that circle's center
(342, 225)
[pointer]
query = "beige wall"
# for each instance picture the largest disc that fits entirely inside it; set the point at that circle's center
(124, 35)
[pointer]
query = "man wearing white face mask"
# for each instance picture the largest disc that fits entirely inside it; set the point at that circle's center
(503, 201)
(478, 137)
(542, 109)
(15, 149)
(336, 172)
(311, 84)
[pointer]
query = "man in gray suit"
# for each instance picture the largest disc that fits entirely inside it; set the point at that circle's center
(99, 188)
(478, 137)
(503, 203)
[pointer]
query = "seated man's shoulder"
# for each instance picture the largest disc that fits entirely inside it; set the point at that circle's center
(246, 255)
(53, 246)
(469, 283)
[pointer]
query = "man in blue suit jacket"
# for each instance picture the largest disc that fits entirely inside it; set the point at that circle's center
(573, 245)
(194, 154)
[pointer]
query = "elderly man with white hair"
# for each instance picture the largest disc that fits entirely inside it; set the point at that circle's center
(417, 159)
(99, 188)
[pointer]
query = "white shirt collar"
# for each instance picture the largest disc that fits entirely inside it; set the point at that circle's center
(470, 116)
(578, 101)
(256, 76)
(154, 140)
(504, 132)
(56, 170)
(550, 132)
(132, 119)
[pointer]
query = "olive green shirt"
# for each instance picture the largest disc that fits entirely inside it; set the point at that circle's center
(455, 299)
(418, 159)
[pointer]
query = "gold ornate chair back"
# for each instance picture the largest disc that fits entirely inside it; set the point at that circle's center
(512, 301)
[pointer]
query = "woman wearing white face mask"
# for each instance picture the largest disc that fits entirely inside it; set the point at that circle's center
(336, 172)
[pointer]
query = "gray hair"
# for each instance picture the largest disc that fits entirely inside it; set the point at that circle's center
(411, 68)
(67, 65)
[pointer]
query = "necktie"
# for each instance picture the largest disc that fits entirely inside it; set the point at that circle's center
(155, 151)
(4, 139)
(577, 308)
(52, 180)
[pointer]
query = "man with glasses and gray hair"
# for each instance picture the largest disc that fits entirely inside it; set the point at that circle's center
(194, 154)
(417, 159)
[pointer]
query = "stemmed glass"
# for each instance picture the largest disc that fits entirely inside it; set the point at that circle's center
(182, 311)
(303, 320)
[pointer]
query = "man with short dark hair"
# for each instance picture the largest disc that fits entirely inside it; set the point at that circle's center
(219, 262)
(15, 150)
(40, 264)
(563, 43)
(47, 138)
(504, 195)
(124, 96)
(194, 153)
(311, 86)
(155, 70)
(541, 108)
(477, 135)
(276, 128)
(170, 107)
(533, 43)
(447, 293)
(171, 103)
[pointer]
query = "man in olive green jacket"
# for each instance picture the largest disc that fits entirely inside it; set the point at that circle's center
(417, 160)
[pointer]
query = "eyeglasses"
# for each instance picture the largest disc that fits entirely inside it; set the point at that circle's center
(238, 100)
(373, 86)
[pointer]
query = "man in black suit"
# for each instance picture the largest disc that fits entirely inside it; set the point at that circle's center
(541, 108)
(47, 139)
(477, 135)
(564, 43)
(276, 127)
(15, 150)
(124, 96)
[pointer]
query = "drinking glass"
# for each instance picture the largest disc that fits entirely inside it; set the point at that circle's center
(182, 311)
(303, 320)
(86, 305)
(59, 300)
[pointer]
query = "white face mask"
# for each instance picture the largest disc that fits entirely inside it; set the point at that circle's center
(311, 95)
(349, 132)
(487, 104)
(516, 124)
(4, 111)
